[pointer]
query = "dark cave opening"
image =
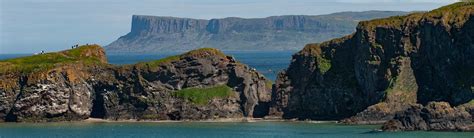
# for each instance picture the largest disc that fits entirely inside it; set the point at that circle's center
(11, 117)
(261, 110)
(98, 109)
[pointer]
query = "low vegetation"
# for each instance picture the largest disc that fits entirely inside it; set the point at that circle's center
(323, 64)
(202, 96)
(268, 84)
(47, 61)
(470, 102)
(198, 53)
(452, 14)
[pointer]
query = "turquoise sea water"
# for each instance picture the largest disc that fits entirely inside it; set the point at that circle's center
(208, 130)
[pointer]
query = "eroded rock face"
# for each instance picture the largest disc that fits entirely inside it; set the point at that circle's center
(60, 93)
(439, 116)
(144, 91)
(53, 95)
(381, 69)
(149, 90)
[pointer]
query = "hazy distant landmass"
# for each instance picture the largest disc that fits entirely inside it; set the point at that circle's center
(291, 32)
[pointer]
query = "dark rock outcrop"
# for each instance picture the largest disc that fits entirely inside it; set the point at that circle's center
(156, 34)
(89, 87)
(383, 68)
(438, 116)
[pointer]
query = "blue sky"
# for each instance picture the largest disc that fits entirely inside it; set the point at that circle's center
(28, 26)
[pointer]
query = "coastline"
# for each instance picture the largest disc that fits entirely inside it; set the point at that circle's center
(220, 120)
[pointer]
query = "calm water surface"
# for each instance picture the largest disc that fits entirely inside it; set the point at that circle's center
(206, 130)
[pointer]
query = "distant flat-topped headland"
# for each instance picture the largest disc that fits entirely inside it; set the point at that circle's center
(157, 34)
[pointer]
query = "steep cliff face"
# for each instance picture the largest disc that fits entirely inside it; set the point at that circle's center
(156, 34)
(49, 87)
(200, 84)
(151, 88)
(382, 68)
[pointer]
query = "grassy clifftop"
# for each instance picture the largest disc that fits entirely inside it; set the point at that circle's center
(198, 53)
(90, 54)
(87, 55)
(454, 14)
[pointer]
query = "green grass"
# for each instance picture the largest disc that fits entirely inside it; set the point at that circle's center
(268, 84)
(47, 61)
(198, 53)
(161, 61)
(390, 21)
(323, 64)
(470, 102)
(376, 45)
(202, 96)
(151, 116)
(453, 14)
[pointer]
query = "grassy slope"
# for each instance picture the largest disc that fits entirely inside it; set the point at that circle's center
(455, 14)
(49, 60)
(202, 96)
(198, 53)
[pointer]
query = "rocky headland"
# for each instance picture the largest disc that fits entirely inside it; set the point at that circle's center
(389, 69)
(157, 33)
(79, 83)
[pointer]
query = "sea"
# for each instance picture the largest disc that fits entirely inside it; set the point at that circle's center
(269, 63)
(209, 130)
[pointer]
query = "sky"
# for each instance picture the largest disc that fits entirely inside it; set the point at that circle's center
(28, 26)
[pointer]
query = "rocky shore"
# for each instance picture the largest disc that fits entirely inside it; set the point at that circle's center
(438, 116)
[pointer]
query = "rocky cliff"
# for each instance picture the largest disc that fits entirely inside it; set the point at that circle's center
(439, 116)
(157, 34)
(78, 84)
(382, 69)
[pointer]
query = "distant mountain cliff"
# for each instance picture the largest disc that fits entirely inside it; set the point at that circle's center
(155, 34)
